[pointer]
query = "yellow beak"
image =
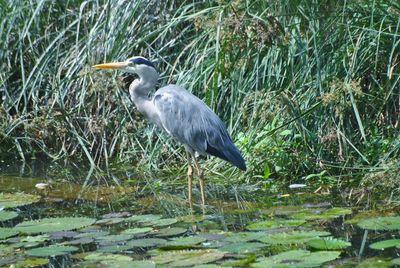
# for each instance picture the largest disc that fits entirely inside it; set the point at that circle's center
(112, 65)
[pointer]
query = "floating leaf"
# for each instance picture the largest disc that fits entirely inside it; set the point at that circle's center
(192, 218)
(7, 232)
(137, 231)
(294, 237)
(7, 215)
(247, 247)
(95, 256)
(183, 242)
(318, 214)
(51, 251)
(144, 218)
(328, 243)
(114, 248)
(80, 241)
(115, 238)
(375, 262)
(110, 221)
(162, 222)
(188, 258)
(395, 261)
(297, 258)
(128, 264)
(173, 231)
(12, 200)
(48, 225)
(32, 262)
(381, 223)
(385, 244)
(146, 242)
(276, 223)
(244, 237)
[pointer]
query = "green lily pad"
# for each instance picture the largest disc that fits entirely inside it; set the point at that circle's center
(294, 237)
(48, 225)
(173, 231)
(137, 231)
(317, 214)
(386, 244)
(115, 238)
(7, 215)
(146, 242)
(183, 242)
(297, 258)
(6, 250)
(12, 200)
(192, 218)
(276, 223)
(395, 261)
(114, 248)
(244, 237)
(110, 221)
(162, 222)
(51, 251)
(375, 262)
(184, 258)
(127, 264)
(95, 256)
(328, 243)
(31, 241)
(7, 232)
(381, 223)
(32, 262)
(143, 218)
(246, 247)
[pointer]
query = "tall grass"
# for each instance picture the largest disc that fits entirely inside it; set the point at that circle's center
(303, 86)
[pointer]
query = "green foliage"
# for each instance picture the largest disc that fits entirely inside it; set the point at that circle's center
(12, 200)
(294, 237)
(380, 223)
(274, 223)
(297, 258)
(51, 251)
(48, 225)
(7, 232)
(7, 215)
(385, 244)
(328, 243)
(188, 257)
(299, 85)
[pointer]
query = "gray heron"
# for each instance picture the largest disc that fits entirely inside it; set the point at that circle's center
(180, 114)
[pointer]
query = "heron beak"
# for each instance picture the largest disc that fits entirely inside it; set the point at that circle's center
(112, 65)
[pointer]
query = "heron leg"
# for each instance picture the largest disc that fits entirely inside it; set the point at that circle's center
(201, 179)
(190, 178)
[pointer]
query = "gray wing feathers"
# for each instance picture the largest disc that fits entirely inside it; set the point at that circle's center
(189, 120)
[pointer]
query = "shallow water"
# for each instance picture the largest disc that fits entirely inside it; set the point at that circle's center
(250, 210)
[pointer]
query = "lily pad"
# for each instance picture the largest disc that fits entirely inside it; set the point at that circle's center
(115, 238)
(246, 247)
(386, 244)
(192, 218)
(294, 237)
(276, 223)
(127, 264)
(94, 256)
(183, 242)
(328, 243)
(375, 262)
(318, 214)
(51, 251)
(137, 231)
(162, 222)
(144, 218)
(395, 261)
(381, 223)
(173, 231)
(297, 258)
(32, 262)
(110, 221)
(184, 258)
(7, 232)
(146, 242)
(114, 248)
(244, 237)
(12, 200)
(48, 225)
(7, 215)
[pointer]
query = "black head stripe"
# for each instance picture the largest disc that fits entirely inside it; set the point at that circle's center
(142, 61)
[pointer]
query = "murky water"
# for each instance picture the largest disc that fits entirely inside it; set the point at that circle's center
(241, 226)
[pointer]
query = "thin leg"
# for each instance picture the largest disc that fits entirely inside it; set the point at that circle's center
(190, 178)
(201, 177)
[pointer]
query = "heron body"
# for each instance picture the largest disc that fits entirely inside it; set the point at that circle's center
(182, 115)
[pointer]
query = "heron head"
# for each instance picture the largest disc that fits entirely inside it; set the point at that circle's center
(137, 65)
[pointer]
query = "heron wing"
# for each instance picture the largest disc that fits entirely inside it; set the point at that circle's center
(190, 121)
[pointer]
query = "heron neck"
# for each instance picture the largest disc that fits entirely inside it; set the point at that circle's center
(139, 91)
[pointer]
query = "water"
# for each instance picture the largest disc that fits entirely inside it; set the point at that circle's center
(231, 208)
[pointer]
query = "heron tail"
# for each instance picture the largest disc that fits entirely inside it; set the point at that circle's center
(228, 153)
